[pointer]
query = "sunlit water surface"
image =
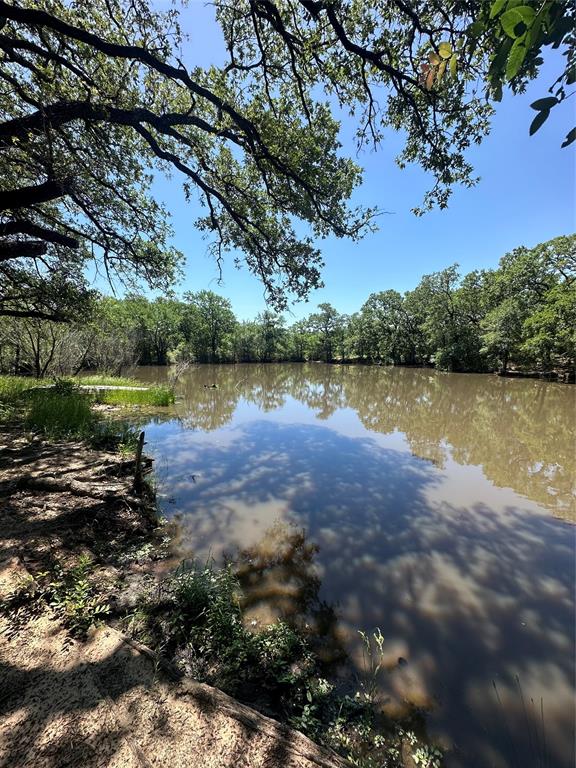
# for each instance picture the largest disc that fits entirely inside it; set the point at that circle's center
(433, 506)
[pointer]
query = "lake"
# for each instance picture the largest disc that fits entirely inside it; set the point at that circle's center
(433, 506)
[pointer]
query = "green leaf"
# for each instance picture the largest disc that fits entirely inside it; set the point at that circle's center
(441, 70)
(539, 121)
(475, 29)
(497, 7)
(453, 64)
(570, 137)
(547, 103)
(445, 50)
(516, 58)
(535, 33)
(499, 61)
(528, 14)
(509, 21)
(559, 30)
(522, 15)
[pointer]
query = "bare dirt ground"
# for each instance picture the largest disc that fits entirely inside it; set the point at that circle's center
(103, 701)
(66, 499)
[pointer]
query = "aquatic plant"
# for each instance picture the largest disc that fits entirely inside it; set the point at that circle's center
(154, 396)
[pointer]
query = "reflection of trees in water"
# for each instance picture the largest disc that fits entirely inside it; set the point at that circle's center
(467, 596)
(279, 579)
(202, 406)
(520, 431)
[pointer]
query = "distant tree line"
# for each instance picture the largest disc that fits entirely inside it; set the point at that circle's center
(520, 315)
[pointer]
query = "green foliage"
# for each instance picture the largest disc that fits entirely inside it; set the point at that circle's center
(153, 396)
(195, 618)
(114, 435)
(12, 388)
(70, 591)
(117, 117)
(517, 32)
(328, 327)
(103, 379)
(206, 324)
(62, 410)
(96, 101)
(519, 315)
(64, 387)
(60, 415)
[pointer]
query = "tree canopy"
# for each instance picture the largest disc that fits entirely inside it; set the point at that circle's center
(95, 99)
(521, 315)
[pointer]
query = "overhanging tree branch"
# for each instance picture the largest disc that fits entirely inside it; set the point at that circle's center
(17, 249)
(24, 227)
(23, 197)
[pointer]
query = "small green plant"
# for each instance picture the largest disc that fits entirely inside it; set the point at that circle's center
(195, 619)
(73, 595)
(373, 662)
(63, 387)
(196, 616)
(70, 592)
(12, 391)
(426, 756)
(114, 435)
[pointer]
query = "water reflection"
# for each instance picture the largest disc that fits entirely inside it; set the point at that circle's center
(280, 580)
(522, 432)
(472, 584)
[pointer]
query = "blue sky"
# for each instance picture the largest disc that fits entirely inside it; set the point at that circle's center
(526, 195)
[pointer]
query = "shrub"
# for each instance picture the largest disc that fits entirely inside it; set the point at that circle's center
(196, 617)
(114, 435)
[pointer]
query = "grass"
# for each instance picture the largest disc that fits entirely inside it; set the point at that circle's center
(154, 396)
(57, 414)
(114, 435)
(66, 412)
(59, 408)
(12, 388)
(103, 379)
(195, 619)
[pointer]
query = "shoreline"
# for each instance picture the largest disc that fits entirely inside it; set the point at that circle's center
(80, 550)
(100, 517)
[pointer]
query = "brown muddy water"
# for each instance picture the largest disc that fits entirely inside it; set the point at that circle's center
(435, 507)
